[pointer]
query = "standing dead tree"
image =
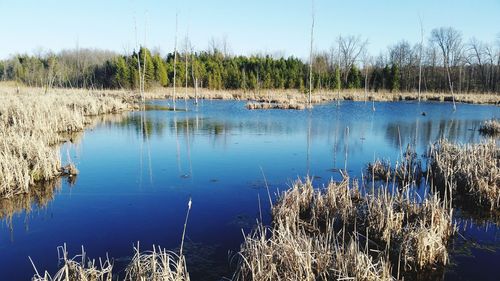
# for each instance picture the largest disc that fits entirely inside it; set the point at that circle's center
(311, 53)
(175, 58)
(449, 41)
(186, 72)
(421, 47)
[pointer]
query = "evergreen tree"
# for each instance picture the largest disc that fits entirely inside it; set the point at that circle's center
(354, 78)
(160, 71)
(337, 81)
(395, 78)
(122, 73)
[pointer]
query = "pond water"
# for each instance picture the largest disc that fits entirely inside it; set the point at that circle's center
(135, 182)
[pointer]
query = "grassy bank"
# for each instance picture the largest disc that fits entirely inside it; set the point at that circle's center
(296, 97)
(33, 122)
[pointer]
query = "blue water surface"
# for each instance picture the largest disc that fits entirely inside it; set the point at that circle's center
(139, 169)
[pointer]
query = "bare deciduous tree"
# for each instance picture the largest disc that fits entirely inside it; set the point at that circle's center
(449, 41)
(350, 47)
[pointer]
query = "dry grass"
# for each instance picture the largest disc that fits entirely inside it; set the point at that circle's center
(490, 127)
(292, 96)
(470, 170)
(157, 265)
(77, 268)
(264, 105)
(408, 169)
(33, 122)
(344, 232)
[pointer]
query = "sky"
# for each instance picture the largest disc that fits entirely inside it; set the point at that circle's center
(278, 27)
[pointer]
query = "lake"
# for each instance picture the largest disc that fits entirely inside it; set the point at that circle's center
(135, 180)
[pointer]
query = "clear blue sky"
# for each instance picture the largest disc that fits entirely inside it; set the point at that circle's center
(250, 26)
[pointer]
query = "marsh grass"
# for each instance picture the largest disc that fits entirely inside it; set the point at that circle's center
(157, 265)
(33, 123)
(293, 96)
(467, 171)
(407, 170)
(77, 268)
(345, 232)
(264, 105)
(490, 127)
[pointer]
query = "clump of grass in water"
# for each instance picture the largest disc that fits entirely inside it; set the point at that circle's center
(344, 232)
(77, 268)
(156, 265)
(408, 169)
(472, 170)
(490, 127)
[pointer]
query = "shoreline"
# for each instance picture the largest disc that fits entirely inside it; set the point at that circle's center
(295, 97)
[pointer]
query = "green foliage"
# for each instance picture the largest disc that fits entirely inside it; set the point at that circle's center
(337, 79)
(394, 85)
(2, 70)
(122, 73)
(354, 78)
(160, 71)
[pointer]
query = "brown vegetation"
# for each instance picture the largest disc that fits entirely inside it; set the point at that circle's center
(291, 96)
(340, 233)
(490, 127)
(472, 170)
(33, 122)
(408, 169)
(156, 265)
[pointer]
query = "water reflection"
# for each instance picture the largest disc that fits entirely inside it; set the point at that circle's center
(428, 131)
(138, 168)
(39, 197)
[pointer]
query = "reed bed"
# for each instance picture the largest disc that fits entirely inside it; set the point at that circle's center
(33, 122)
(342, 232)
(264, 105)
(157, 265)
(286, 96)
(469, 170)
(78, 268)
(407, 170)
(490, 127)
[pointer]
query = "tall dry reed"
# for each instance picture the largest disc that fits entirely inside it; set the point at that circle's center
(343, 232)
(469, 170)
(32, 123)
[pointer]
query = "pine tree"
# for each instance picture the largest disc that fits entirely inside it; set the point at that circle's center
(160, 71)
(394, 78)
(122, 73)
(353, 78)
(337, 81)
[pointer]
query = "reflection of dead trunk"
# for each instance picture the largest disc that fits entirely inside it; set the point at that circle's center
(420, 58)
(451, 86)
(308, 143)
(178, 152)
(189, 148)
(346, 148)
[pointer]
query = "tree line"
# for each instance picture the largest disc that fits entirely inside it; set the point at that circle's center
(445, 63)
